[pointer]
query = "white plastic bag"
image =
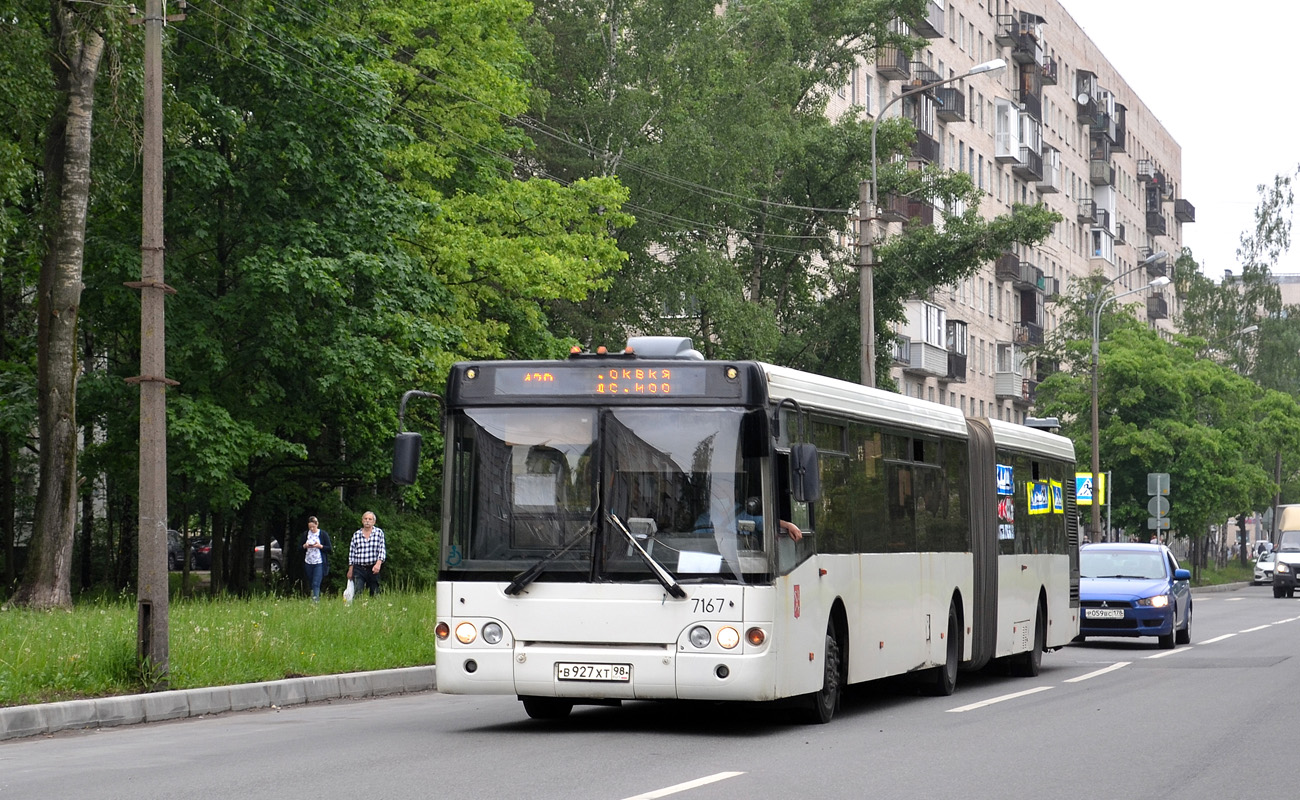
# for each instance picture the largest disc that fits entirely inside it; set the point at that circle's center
(347, 592)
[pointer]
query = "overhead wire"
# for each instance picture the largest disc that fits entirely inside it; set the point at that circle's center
(560, 136)
(691, 225)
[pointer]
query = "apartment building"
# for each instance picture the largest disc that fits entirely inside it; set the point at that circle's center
(1059, 125)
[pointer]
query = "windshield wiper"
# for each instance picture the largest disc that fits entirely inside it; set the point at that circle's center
(1133, 577)
(662, 574)
(529, 575)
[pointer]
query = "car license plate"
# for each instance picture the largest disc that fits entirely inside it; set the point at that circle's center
(583, 671)
(1104, 613)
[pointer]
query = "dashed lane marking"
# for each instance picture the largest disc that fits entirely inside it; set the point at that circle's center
(1171, 652)
(1219, 638)
(1001, 699)
(682, 787)
(1102, 671)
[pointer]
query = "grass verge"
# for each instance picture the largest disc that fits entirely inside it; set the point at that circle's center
(90, 651)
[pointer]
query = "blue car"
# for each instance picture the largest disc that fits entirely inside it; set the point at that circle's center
(1134, 590)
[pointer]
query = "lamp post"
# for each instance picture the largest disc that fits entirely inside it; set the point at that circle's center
(867, 232)
(1101, 303)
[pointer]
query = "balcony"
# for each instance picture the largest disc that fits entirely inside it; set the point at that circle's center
(893, 208)
(956, 368)
(1051, 289)
(1027, 39)
(919, 212)
(1146, 170)
(1008, 30)
(1157, 307)
(902, 350)
(1184, 211)
(925, 148)
(951, 102)
(1007, 268)
(1051, 180)
(1156, 225)
(925, 359)
(1027, 333)
(892, 64)
(1120, 143)
(1031, 164)
(1027, 276)
(1101, 173)
(1119, 233)
(1011, 385)
(922, 74)
(1049, 70)
(931, 26)
(1157, 269)
(1087, 211)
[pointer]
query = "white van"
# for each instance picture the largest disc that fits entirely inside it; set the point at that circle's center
(1287, 552)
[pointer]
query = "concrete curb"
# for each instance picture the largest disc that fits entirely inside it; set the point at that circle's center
(17, 722)
(1220, 587)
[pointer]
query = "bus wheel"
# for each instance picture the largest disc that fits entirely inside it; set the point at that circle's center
(943, 679)
(547, 707)
(1027, 665)
(825, 701)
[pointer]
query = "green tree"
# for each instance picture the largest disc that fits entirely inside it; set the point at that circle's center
(716, 120)
(1165, 409)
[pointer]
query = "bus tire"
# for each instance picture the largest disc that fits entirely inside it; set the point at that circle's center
(823, 703)
(943, 679)
(547, 707)
(1027, 665)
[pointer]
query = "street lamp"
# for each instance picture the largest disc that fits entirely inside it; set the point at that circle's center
(867, 253)
(1102, 302)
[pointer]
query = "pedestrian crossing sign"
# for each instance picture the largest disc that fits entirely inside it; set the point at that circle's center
(1083, 488)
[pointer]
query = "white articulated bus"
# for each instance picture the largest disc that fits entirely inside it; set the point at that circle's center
(652, 525)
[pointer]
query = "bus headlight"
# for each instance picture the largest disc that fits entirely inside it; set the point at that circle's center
(466, 633)
(492, 633)
(728, 638)
(1282, 567)
(700, 636)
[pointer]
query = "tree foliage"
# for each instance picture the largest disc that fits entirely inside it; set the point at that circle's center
(715, 118)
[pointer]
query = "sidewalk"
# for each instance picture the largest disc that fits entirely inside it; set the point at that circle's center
(106, 712)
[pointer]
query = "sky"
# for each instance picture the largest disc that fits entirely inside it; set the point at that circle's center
(1221, 78)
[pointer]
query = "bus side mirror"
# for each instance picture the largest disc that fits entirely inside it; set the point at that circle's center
(805, 480)
(406, 458)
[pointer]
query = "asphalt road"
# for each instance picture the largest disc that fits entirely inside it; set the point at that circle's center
(1110, 718)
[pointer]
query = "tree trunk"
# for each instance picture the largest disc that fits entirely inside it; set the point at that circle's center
(75, 60)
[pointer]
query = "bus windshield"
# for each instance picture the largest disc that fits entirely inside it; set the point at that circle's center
(527, 483)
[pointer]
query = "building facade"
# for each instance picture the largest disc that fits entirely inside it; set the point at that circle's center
(1059, 125)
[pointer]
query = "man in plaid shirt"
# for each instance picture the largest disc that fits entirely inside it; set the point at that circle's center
(366, 555)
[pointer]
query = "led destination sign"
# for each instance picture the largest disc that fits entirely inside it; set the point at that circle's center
(594, 381)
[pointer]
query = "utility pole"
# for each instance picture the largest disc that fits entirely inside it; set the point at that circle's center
(866, 282)
(151, 593)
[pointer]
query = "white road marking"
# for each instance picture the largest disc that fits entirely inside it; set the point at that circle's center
(1171, 652)
(1219, 638)
(991, 701)
(1229, 600)
(1256, 628)
(681, 787)
(1281, 621)
(1111, 668)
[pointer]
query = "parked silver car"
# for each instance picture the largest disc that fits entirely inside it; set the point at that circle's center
(277, 557)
